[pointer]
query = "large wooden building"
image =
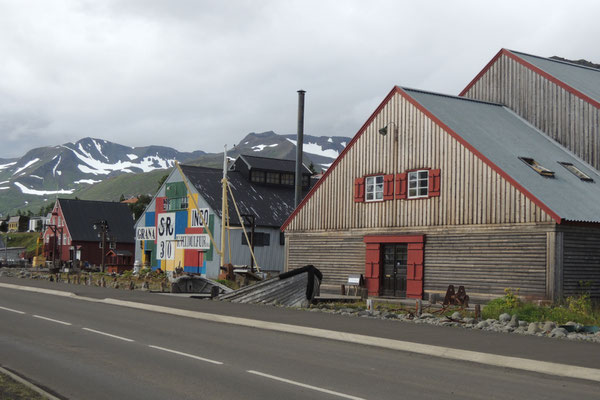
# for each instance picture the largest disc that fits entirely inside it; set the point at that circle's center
(562, 99)
(453, 191)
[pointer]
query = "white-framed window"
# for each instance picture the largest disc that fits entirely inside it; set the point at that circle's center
(418, 184)
(374, 188)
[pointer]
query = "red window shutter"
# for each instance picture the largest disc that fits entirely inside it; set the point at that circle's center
(388, 187)
(401, 185)
(359, 190)
(434, 182)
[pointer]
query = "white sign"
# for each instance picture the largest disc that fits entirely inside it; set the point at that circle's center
(198, 241)
(165, 229)
(197, 219)
(145, 233)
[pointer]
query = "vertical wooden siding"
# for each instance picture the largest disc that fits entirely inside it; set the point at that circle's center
(581, 260)
(564, 117)
(471, 191)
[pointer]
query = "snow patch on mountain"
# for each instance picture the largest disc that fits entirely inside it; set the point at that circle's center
(97, 167)
(314, 148)
(4, 187)
(99, 148)
(4, 166)
(132, 157)
(260, 147)
(26, 190)
(54, 169)
(88, 181)
(37, 177)
(30, 163)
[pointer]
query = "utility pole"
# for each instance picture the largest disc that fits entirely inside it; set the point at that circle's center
(224, 211)
(102, 227)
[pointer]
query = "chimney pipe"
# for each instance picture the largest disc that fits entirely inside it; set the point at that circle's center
(300, 140)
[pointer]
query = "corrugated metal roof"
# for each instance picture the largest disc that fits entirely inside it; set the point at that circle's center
(272, 164)
(502, 136)
(80, 216)
(270, 205)
(584, 79)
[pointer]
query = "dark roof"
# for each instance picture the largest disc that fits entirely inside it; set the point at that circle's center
(273, 164)
(80, 216)
(584, 79)
(502, 136)
(270, 205)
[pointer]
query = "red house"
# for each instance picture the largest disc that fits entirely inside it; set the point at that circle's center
(70, 235)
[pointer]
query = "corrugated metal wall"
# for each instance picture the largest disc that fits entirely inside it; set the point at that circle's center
(581, 260)
(471, 191)
(566, 118)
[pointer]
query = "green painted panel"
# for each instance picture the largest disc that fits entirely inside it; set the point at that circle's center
(150, 245)
(175, 189)
(208, 256)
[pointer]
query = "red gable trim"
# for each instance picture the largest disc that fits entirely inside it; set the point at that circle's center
(483, 71)
(462, 141)
(483, 158)
(342, 154)
(535, 69)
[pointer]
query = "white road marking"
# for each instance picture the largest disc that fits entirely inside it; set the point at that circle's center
(11, 310)
(186, 355)
(108, 334)
(304, 385)
(53, 320)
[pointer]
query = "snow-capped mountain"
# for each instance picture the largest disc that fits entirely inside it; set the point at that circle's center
(72, 168)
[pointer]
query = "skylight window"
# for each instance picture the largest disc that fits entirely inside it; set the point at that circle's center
(576, 171)
(537, 167)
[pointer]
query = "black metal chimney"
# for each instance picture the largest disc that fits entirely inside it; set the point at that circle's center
(300, 140)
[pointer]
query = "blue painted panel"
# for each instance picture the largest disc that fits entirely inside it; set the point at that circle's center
(181, 220)
(195, 270)
(150, 218)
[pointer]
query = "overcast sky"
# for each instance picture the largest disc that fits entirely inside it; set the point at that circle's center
(196, 75)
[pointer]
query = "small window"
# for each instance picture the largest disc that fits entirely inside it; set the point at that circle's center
(257, 176)
(282, 238)
(273, 177)
(576, 171)
(305, 180)
(260, 239)
(287, 179)
(374, 188)
(537, 167)
(418, 184)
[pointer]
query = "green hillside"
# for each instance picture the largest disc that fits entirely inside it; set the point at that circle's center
(127, 184)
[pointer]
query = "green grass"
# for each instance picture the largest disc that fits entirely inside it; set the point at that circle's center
(23, 239)
(11, 389)
(576, 308)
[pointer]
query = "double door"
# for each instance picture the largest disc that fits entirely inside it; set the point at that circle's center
(394, 269)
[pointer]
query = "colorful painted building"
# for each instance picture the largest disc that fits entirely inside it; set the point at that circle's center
(172, 232)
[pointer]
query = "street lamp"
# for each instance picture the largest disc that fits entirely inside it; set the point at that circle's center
(102, 227)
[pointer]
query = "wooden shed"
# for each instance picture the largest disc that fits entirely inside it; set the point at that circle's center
(560, 98)
(436, 190)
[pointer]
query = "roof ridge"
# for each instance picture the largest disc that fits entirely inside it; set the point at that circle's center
(199, 167)
(267, 158)
(451, 96)
(554, 60)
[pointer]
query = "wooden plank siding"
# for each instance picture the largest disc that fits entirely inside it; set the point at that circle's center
(472, 193)
(565, 117)
(581, 260)
(486, 259)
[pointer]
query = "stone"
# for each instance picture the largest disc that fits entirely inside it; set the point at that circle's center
(456, 315)
(391, 316)
(523, 324)
(558, 332)
(533, 328)
(426, 315)
(549, 326)
(504, 318)
(469, 321)
(514, 321)
(482, 325)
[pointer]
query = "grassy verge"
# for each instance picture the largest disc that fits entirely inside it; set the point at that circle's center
(578, 309)
(23, 239)
(11, 389)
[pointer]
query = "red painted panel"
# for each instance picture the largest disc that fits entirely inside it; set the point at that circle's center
(416, 239)
(401, 185)
(372, 286)
(414, 289)
(388, 187)
(434, 179)
(359, 190)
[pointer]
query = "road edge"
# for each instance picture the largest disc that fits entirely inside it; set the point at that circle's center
(28, 384)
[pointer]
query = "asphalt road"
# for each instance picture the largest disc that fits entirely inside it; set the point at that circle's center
(86, 350)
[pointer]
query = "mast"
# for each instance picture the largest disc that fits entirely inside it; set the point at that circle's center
(223, 206)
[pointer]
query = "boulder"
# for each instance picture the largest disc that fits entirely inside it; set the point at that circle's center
(456, 315)
(504, 318)
(533, 328)
(514, 322)
(549, 326)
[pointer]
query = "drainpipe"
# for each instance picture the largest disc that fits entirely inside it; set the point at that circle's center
(300, 140)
